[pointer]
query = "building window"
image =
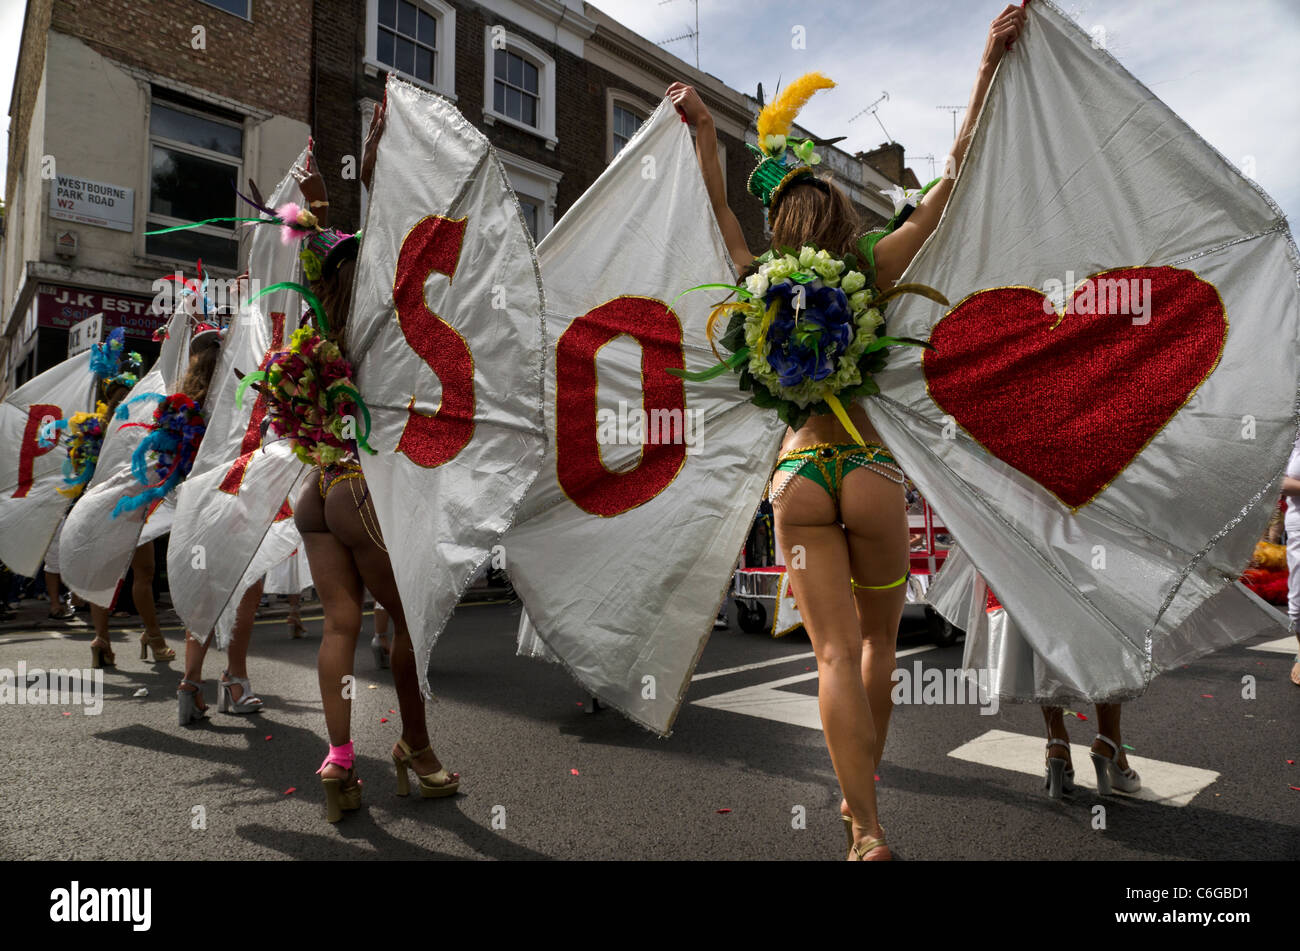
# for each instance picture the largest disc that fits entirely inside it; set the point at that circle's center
(415, 38)
(518, 85)
(536, 186)
(532, 210)
(626, 122)
(514, 87)
(240, 8)
(624, 115)
(194, 159)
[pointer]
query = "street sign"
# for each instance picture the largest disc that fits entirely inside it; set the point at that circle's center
(85, 334)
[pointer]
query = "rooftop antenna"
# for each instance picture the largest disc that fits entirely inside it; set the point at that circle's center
(884, 97)
(927, 158)
(954, 110)
(689, 35)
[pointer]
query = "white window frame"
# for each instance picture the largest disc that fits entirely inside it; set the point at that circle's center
(237, 236)
(536, 181)
(444, 60)
(621, 97)
(545, 128)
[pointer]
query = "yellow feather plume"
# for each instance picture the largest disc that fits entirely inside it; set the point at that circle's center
(778, 116)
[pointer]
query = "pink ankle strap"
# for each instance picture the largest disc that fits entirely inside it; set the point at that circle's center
(339, 756)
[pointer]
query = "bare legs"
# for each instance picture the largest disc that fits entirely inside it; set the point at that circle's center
(381, 627)
(1108, 716)
(294, 619)
(852, 635)
(344, 559)
(142, 589)
(237, 654)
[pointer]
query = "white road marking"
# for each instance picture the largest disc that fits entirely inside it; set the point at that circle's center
(755, 666)
(1283, 645)
(1169, 784)
(769, 702)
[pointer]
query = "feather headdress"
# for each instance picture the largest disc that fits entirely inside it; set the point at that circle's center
(777, 118)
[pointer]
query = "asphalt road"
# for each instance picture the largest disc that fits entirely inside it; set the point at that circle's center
(566, 784)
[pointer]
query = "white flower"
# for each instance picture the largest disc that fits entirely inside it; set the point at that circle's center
(853, 282)
(807, 255)
(901, 197)
(756, 284)
(858, 300)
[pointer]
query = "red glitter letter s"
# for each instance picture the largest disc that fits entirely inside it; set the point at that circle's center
(433, 247)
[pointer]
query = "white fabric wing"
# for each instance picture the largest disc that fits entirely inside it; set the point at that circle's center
(1075, 169)
(30, 477)
(236, 493)
(96, 547)
(624, 547)
(446, 336)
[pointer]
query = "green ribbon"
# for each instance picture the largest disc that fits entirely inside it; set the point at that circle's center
(200, 224)
(742, 292)
(730, 363)
(881, 342)
(365, 413)
(313, 301)
(244, 383)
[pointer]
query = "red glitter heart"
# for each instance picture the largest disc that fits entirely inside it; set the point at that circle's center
(1071, 400)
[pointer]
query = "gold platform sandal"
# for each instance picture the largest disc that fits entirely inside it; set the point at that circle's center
(432, 785)
(859, 851)
(342, 794)
(101, 655)
(161, 652)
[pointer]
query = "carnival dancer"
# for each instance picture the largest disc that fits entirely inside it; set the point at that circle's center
(116, 371)
(312, 401)
(845, 517)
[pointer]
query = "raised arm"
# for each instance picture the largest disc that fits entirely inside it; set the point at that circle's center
(693, 110)
(895, 251)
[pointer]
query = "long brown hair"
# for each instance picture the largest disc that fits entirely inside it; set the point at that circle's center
(816, 213)
(335, 293)
(199, 374)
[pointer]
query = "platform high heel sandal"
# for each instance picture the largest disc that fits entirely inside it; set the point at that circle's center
(432, 785)
(161, 652)
(188, 707)
(342, 794)
(248, 701)
(859, 851)
(101, 655)
(1060, 774)
(1110, 778)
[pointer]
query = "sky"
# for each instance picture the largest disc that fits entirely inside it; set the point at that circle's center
(1230, 70)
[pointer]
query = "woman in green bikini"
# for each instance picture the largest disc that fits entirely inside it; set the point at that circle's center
(845, 518)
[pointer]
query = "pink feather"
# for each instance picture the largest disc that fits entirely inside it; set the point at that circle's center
(288, 213)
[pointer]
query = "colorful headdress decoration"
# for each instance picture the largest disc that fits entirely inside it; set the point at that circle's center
(85, 437)
(781, 160)
(311, 398)
(112, 364)
(326, 250)
(170, 447)
(205, 335)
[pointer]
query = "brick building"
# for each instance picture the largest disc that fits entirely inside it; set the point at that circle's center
(557, 86)
(130, 115)
(133, 115)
